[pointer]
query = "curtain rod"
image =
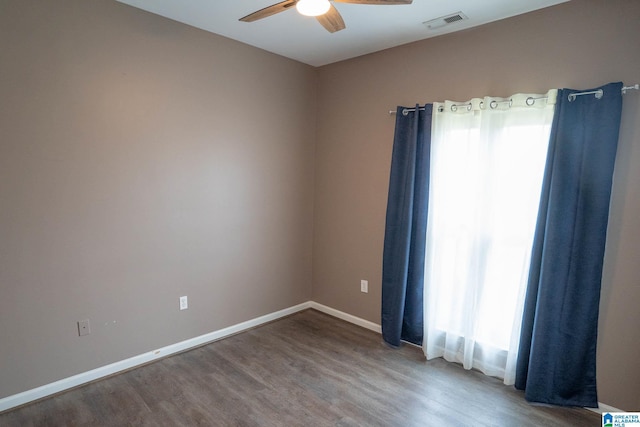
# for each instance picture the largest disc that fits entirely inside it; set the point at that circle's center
(572, 96)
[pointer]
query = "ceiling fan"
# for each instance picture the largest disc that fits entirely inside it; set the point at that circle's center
(324, 12)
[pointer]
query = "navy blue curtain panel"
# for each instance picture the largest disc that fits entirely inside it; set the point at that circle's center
(406, 228)
(557, 355)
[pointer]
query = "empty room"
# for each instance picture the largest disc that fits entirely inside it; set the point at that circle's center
(388, 213)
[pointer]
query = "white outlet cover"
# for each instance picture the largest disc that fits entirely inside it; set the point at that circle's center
(184, 303)
(84, 327)
(364, 286)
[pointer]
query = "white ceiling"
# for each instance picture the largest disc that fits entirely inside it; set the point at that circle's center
(369, 28)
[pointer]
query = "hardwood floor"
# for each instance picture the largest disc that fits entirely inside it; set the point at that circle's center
(308, 369)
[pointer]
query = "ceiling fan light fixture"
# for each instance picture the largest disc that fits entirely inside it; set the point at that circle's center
(313, 7)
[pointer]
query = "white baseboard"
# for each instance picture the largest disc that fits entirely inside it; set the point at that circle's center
(602, 408)
(345, 316)
(15, 400)
(132, 362)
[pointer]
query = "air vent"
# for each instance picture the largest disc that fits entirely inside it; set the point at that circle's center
(452, 19)
(434, 24)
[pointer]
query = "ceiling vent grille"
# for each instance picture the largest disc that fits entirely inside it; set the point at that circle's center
(434, 24)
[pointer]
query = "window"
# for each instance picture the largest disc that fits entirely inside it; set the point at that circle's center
(486, 176)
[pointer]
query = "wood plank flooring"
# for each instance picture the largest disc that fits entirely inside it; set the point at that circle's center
(308, 369)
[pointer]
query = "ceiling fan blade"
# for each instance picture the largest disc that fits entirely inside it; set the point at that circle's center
(387, 2)
(268, 11)
(331, 21)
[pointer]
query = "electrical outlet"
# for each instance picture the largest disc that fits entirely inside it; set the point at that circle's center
(184, 303)
(84, 328)
(364, 286)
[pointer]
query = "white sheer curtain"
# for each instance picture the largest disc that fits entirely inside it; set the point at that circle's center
(487, 162)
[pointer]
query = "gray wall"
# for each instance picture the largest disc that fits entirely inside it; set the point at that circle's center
(579, 44)
(142, 160)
